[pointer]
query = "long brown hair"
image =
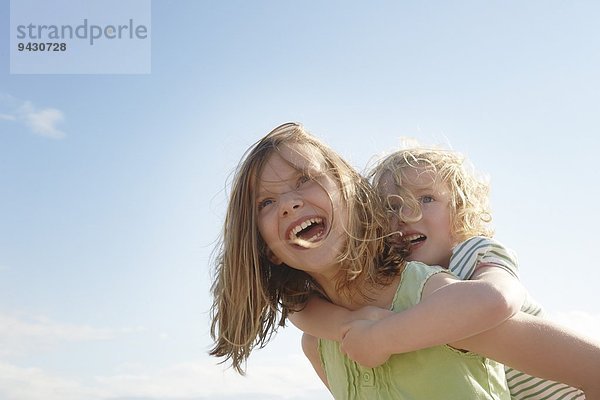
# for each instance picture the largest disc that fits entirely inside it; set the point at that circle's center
(252, 296)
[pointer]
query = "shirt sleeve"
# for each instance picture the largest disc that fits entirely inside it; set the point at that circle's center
(471, 253)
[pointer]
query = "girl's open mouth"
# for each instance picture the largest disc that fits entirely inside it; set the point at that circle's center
(414, 239)
(308, 232)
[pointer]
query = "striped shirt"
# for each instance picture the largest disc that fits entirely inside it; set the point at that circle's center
(466, 258)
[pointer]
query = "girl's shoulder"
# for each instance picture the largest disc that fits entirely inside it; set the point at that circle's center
(417, 268)
(413, 279)
(467, 255)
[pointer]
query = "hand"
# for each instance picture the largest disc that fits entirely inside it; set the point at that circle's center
(359, 345)
(370, 313)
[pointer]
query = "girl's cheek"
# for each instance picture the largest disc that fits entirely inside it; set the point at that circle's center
(394, 222)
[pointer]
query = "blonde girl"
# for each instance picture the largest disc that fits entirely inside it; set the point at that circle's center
(300, 221)
(440, 209)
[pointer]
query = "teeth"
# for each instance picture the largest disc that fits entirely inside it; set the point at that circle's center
(414, 237)
(307, 243)
(313, 238)
(304, 225)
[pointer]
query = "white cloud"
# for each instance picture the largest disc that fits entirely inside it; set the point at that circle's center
(272, 374)
(7, 117)
(290, 379)
(42, 122)
(21, 335)
(18, 383)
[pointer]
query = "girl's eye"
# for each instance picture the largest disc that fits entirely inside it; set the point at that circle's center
(264, 203)
(427, 199)
(302, 180)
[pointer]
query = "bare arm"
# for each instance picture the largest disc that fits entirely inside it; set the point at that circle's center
(542, 348)
(323, 319)
(450, 310)
(509, 288)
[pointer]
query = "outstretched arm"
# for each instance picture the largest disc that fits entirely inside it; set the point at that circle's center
(450, 310)
(509, 288)
(323, 319)
(542, 348)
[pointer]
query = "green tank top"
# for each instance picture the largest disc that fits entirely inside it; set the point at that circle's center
(440, 372)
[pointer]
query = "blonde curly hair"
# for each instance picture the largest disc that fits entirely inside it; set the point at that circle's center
(469, 192)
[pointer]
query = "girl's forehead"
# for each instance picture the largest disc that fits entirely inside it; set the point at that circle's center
(420, 175)
(409, 174)
(287, 161)
(302, 156)
(408, 178)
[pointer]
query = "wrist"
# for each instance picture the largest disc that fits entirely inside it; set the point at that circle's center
(377, 337)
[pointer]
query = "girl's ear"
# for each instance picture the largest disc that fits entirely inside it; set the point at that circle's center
(273, 258)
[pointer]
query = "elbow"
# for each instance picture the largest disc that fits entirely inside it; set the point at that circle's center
(503, 304)
(513, 299)
(501, 309)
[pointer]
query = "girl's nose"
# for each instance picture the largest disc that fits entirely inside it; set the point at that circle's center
(289, 204)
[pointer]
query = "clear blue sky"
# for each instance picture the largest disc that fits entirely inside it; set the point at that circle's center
(113, 187)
